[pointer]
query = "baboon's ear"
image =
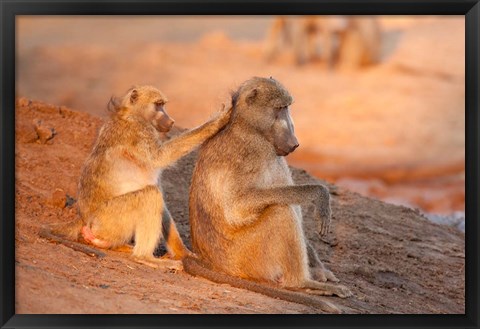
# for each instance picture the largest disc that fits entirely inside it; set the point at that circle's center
(133, 96)
(250, 99)
(113, 105)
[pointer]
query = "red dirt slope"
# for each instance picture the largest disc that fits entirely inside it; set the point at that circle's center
(392, 258)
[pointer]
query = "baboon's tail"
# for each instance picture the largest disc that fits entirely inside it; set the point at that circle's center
(67, 234)
(196, 267)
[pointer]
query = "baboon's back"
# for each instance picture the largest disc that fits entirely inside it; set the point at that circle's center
(205, 209)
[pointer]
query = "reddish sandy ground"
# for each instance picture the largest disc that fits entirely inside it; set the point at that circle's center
(394, 131)
(391, 257)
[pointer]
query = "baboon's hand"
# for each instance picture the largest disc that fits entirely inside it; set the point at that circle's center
(323, 212)
(324, 218)
(223, 117)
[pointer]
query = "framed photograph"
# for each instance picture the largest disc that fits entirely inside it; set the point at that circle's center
(239, 164)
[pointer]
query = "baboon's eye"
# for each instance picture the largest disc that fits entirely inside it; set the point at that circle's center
(278, 111)
(159, 105)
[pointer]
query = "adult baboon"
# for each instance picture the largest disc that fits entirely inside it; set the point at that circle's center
(245, 217)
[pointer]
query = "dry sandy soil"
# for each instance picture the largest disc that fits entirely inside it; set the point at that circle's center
(391, 257)
(394, 131)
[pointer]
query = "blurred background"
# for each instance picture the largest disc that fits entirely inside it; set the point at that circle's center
(379, 101)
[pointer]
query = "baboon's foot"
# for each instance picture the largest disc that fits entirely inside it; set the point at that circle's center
(179, 254)
(322, 275)
(186, 253)
(159, 262)
(125, 248)
(326, 289)
(90, 238)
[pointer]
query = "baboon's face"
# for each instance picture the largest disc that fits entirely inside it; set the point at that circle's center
(284, 140)
(161, 120)
(150, 103)
(266, 107)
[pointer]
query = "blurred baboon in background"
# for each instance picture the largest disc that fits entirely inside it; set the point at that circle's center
(344, 41)
(360, 44)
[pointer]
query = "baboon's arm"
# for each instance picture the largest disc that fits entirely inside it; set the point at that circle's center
(250, 204)
(180, 146)
(256, 200)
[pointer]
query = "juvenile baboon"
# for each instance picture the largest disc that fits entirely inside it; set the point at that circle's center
(346, 41)
(245, 217)
(119, 192)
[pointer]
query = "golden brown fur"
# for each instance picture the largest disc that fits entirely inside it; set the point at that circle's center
(119, 192)
(245, 216)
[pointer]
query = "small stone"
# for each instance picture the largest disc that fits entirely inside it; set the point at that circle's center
(59, 198)
(70, 201)
(363, 271)
(44, 133)
(23, 102)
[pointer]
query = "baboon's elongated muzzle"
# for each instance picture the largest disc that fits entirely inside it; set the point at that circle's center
(165, 123)
(285, 141)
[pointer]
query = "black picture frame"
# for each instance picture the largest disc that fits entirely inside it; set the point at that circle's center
(10, 9)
